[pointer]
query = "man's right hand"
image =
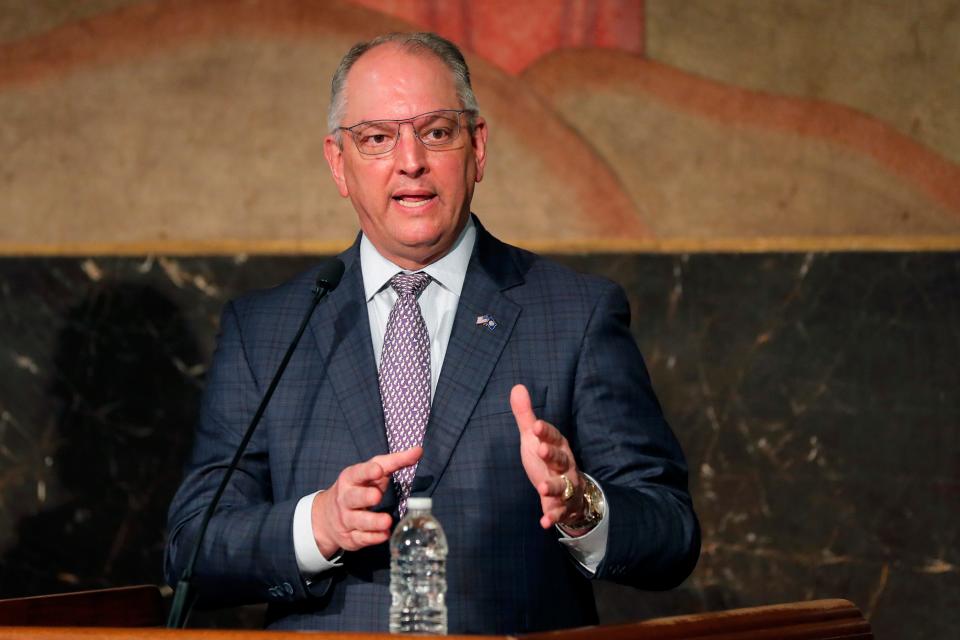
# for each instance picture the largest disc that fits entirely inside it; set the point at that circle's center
(341, 515)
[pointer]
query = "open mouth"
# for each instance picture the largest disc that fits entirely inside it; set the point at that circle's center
(414, 200)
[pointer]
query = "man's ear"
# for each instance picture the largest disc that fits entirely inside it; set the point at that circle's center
(334, 155)
(479, 139)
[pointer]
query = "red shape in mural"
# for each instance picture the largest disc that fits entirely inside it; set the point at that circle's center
(512, 35)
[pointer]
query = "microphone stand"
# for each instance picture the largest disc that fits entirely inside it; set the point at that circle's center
(183, 599)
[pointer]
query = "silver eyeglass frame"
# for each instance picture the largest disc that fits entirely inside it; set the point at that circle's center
(402, 121)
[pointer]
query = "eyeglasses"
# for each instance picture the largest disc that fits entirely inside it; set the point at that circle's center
(435, 130)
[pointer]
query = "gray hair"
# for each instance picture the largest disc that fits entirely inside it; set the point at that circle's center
(446, 51)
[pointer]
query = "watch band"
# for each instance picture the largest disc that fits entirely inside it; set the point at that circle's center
(593, 507)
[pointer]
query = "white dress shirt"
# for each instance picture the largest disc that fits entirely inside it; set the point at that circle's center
(438, 304)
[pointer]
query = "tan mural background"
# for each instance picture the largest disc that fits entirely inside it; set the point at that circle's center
(196, 126)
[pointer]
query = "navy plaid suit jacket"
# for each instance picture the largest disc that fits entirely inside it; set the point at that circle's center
(564, 335)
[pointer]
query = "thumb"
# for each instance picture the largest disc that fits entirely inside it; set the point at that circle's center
(522, 408)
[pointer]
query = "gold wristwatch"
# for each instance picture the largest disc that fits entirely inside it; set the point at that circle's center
(592, 506)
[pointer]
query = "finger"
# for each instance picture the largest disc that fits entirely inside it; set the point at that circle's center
(552, 488)
(364, 496)
(363, 473)
(369, 538)
(361, 520)
(555, 458)
(546, 432)
(555, 514)
(522, 408)
(391, 462)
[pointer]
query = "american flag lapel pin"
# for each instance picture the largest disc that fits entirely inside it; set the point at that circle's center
(487, 321)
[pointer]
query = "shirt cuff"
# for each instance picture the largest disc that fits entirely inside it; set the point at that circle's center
(588, 550)
(309, 559)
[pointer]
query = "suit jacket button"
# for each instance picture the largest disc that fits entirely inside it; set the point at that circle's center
(288, 588)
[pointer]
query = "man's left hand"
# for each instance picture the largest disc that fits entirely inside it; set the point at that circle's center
(546, 456)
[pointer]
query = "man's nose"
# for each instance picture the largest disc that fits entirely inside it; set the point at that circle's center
(410, 154)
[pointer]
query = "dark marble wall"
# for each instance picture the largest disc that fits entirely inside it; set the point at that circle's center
(816, 397)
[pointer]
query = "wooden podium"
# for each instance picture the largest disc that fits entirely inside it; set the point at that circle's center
(136, 613)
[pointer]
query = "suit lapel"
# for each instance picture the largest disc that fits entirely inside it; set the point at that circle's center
(342, 335)
(471, 355)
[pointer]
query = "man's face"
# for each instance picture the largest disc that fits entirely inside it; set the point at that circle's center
(412, 203)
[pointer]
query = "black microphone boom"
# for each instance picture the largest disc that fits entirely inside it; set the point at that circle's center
(327, 280)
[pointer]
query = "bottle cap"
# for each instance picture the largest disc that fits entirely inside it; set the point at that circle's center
(419, 504)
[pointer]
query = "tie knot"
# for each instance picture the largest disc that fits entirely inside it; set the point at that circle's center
(410, 284)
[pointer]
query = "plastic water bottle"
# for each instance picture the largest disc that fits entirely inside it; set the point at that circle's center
(418, 572)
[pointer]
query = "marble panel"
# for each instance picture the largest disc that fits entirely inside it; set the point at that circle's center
(816, 397)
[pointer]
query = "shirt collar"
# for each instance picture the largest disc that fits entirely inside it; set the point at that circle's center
(449, 271)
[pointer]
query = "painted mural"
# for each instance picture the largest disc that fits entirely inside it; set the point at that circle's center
(160, 157)
(175, 126)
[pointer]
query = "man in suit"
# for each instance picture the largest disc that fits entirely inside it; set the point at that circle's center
(506, 387)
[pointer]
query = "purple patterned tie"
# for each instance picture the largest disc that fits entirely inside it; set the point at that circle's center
(405, 375)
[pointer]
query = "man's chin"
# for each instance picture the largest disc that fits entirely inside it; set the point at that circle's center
(422, 255)
(420, 251)
(416, 243)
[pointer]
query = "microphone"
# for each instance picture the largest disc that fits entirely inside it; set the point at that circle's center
(328, 277)
(327, 280)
